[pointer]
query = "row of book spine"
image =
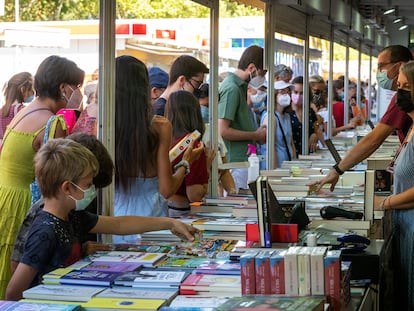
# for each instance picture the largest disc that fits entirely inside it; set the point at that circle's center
(297, 271)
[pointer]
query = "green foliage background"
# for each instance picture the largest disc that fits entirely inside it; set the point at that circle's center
(64, 10)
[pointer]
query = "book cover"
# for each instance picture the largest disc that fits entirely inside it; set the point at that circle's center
(182, 263)
(183, 144)
(146, 259)
(291, 271)
(277, 272)
(262, 271)
(248, 272)
(42, 306)
(186, 301)
(138, 293)
(208, 248)
(54, 276)
(122, 304)
(223, 224)
(62, 292)
(332, 268)
(309, 303)
(151, 278)
(317, 268)
(219, 267)
(212, 283)
(304, 271)
(97, 278)
(107, 266)
(263, 217)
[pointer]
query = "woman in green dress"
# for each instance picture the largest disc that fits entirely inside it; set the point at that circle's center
(56, 80)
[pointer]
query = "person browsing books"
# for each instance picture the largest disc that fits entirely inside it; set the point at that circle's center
(102, 179)
(65, 171)
(144, 178)
(183, 111)
(389, 61)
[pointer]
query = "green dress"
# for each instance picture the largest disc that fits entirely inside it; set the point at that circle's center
(16, 175)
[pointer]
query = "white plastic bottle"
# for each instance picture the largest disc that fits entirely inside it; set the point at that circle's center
(253, 170)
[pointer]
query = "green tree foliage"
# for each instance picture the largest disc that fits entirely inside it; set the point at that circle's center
(64, 10)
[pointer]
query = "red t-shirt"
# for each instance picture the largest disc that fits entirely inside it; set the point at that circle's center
(397, 118)
(338, 113)
(198, 170)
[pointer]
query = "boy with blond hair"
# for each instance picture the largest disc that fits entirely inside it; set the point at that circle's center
(65, 171)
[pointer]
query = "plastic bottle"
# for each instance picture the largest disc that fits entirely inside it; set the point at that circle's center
(253, 170)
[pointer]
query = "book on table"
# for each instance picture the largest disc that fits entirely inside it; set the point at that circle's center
(23, 305)
(280, 303)
(151, 278)
(62, 292)
(138, 293)
(212, 283)
(146, 259)
(107, 266)
(122, 304)
(96, 278)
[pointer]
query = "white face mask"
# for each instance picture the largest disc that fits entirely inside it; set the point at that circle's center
(258, 98)
(283, 100)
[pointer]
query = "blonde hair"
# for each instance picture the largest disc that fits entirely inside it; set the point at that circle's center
(62, 160)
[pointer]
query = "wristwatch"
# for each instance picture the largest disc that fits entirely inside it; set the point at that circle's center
(185, 164)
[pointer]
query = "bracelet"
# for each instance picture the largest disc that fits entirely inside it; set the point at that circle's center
(337, 169)
(185, 164)
(381, 206)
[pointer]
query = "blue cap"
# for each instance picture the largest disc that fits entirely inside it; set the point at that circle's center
(158, 77)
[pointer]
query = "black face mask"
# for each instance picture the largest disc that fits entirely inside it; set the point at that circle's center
(404, 100)
(197, 93)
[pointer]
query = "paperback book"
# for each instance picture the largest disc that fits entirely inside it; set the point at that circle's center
(310, 303)
(107, 266)
(122, 304)
(212, 283)
(138, 293)
(151, 278)
(62, 292)
(95, 278)
(40, 306)
(146, 259)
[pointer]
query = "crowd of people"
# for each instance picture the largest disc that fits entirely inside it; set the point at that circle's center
(49, 143)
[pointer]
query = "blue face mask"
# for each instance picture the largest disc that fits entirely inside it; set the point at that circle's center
(204, 113)
(342, 96)
(88, 196)
(383, 80)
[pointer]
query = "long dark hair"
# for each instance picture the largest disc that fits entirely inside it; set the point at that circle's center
(136, 142)
(183, 111)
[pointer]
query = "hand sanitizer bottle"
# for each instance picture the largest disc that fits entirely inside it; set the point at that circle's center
(253, 170)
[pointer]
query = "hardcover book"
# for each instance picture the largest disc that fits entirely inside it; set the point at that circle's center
(62, 292)
(96, 278)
